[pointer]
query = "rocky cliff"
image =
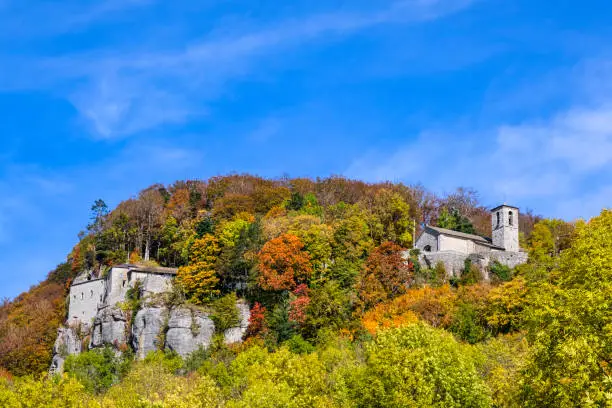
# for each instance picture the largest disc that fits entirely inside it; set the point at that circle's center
(180, 329)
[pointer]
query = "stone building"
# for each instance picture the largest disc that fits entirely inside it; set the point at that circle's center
(452, 248)
(90, 294)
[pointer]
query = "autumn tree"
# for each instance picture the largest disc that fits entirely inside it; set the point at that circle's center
(389, 217)
(283, 263)
(386, 275)
(199, 278)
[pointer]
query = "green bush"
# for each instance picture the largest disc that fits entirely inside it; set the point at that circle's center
(500, 272)
(467, 324)
(470, 274)
(97, 369)
(298, 345)
(225, 313)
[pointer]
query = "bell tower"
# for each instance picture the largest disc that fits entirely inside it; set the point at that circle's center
(504, 223)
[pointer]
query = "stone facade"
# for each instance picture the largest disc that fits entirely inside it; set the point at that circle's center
(85, 297)
(505, 227)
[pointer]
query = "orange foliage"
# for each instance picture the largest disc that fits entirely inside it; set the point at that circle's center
(179, 204)
(386, 275)
(434, 305)
(5, 374)
(283, 263)
(28, 328)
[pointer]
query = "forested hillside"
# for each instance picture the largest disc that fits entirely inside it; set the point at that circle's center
(338, 316)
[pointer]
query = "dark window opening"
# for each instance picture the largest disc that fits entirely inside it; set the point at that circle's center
(510, 220)
(427, 248)
(498, 218)
(91, 293)
(82, 296)
(124, 283)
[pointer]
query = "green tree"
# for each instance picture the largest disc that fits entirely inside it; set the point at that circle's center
(419, 366)
(570, 324)
(453, 220)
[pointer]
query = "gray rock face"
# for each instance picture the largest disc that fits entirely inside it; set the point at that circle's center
(109, 328)
(67, 343)
(235, 334)
(188, 331)
(146, 330)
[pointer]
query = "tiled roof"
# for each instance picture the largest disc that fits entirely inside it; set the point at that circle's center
(472, 237)
(148, 269)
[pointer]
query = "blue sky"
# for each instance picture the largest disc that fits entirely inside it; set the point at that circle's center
(100, 99)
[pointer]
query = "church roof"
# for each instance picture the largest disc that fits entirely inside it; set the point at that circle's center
(472, 237)
(503, 205)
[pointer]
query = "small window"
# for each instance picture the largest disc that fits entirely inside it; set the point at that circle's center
(510, 220)
(427, 248)
(82, 297)
(124, 283)
(91, 293)
(498, 218)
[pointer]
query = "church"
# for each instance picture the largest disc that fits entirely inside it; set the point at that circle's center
(452, 248)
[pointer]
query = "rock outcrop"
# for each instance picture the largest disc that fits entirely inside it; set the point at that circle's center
(67, 343)
(235, 334)
(188, 330)
(109, 328)
(181, 329)
(147, 328)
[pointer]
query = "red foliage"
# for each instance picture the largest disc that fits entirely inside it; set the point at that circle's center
(283, 263)
(257, 321)
(297, 309)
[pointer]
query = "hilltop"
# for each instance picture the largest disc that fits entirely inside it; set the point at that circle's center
(341, 310)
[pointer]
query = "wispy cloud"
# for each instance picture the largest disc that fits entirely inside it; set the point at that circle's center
(548, 159)
(121, 92)
(28, 19)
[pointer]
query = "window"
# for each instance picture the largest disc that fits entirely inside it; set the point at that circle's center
(498, 219)
(82, 296)
(91, 293)
(510, 221)
(427, 248)
(124, 283)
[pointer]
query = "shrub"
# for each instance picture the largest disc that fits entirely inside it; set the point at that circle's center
(97, 369)
(470, 274)
(225, 313)
(298, 345)
(500, 272)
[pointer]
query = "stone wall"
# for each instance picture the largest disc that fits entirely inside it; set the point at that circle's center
(85, 297)
(117, 285)
(427, 239)
(454, 262)
(449, 243)
(151, 282)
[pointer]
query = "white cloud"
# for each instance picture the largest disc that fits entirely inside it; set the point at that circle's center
(551, 160)
(121, 92)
